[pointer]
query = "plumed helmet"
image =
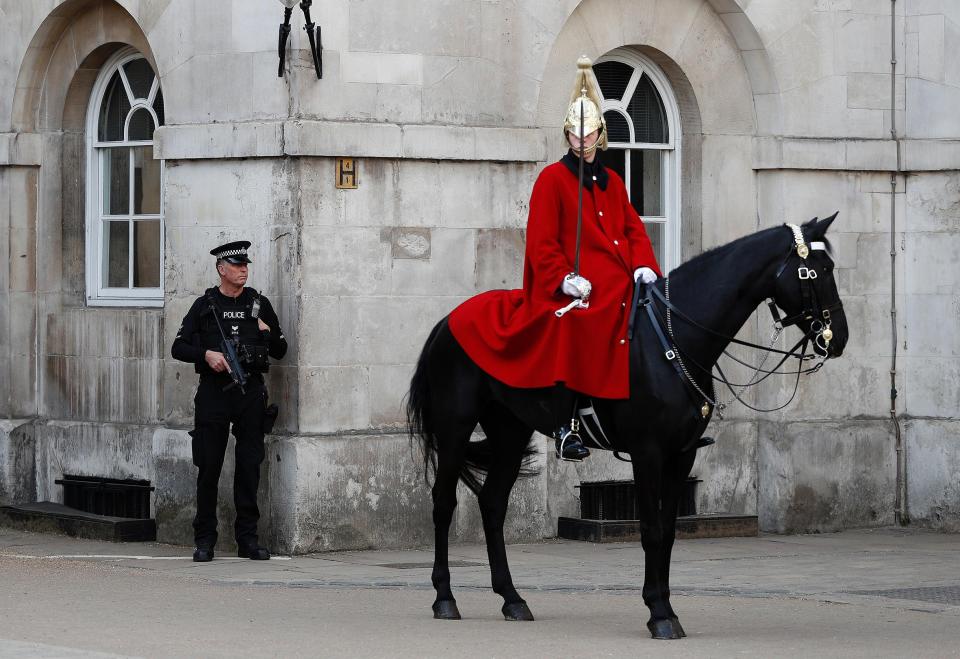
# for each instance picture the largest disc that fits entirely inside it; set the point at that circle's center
(586, 96)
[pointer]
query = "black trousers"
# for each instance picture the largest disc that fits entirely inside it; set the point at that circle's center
(215, 411)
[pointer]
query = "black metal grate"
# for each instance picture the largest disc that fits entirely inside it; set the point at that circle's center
(617, 500)
(107, 496)
(939, 594)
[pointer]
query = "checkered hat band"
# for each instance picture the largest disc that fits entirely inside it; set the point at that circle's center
(232, 252)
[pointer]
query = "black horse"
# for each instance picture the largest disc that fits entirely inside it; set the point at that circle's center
(659, 426)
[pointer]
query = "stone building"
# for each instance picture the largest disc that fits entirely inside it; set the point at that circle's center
(137, 134)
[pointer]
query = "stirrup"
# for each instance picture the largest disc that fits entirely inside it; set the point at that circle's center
(569, 445)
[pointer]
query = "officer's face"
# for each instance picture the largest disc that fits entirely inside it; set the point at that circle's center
(588, 142)
(233, 273)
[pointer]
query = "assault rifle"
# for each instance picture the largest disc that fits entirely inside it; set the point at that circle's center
(229, 349)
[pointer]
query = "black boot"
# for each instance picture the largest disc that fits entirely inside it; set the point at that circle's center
(202, 554)
(569, 445)
(253, 551)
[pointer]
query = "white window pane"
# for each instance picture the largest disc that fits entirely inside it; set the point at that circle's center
(649, 117)
(116, 181)
(146, 182)
(113, 111)
(646, 182)
(140, 127)
(657, 236)
(146, 254)
(116, 254)
(140, 77)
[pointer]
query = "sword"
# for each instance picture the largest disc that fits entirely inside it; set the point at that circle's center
(576, 264)
(579, 303)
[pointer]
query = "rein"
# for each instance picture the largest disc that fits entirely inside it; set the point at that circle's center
(819, 332)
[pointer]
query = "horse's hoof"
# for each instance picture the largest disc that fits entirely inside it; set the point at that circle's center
(678, 627)
(517, 611)
(446, 610)
(664, 629)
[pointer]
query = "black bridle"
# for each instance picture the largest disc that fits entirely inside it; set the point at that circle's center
(816, 308)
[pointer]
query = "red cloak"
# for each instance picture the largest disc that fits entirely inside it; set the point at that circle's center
(514, 336)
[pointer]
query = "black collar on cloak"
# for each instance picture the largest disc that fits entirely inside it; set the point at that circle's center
(592, 171)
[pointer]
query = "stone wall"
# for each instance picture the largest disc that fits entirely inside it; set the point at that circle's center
(451, 108)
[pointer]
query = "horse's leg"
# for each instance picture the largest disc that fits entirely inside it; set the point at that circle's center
(508, 437)
(648, 476)
(451, 453)
(675, 476)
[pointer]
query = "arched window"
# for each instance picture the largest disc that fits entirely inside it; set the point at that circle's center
(124, 185)
(643, 130)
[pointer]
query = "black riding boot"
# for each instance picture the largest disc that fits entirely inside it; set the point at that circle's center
(567, 436)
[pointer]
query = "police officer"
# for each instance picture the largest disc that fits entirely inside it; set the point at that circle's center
(243, 317)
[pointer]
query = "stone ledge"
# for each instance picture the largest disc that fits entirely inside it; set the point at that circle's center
(21, 149)
(857, 155)
(349, 138)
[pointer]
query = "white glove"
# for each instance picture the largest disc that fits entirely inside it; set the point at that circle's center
(646, 275)
(576, 286)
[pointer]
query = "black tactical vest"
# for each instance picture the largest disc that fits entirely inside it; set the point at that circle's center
(238, 318)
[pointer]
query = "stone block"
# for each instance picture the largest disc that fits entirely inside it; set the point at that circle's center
(933, 492)
(469, 91)
(208, 95)
(931, 63)
(351, 492)
(825, 476)
(931, 109)
(499, 258)
(179, 385)
(933, 324)
(17, 457)
(870, 155)
(101, 389)
(446, 142)
(175, 479)
(319, 331)
(345, 261)
(933, 202)
(374, 67)
(388, 330)
(868, 317)
(930, 155)
(355, 139)
(408, 242)
(710, 58)
(728, 469)
(933, 263)
(832, 118)
(437, 27)
(864, 43)
(22, 385)
(729, 193)
(872, 91)
(213, 140)
(932, 386)
(448, 269)
(485, 195)
(333, 398)
(389, 384)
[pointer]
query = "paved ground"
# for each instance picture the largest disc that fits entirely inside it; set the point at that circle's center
(872, 593)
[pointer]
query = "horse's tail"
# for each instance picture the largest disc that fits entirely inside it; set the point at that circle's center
(420, 426)
(420, 421)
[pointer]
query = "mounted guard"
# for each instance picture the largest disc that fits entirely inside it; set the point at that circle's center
(566, 328)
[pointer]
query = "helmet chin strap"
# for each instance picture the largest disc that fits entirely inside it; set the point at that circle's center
(587, 150)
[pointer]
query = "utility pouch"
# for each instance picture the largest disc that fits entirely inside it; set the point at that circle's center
(270, 413)
(256, 357)
(197, 449)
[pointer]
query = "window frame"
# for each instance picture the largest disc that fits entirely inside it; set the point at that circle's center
(670, 151)
(97, 293)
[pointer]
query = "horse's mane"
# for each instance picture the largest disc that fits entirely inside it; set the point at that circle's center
(705, 259)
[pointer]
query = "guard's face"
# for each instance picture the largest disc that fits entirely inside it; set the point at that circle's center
(588, 141)
(235, 274)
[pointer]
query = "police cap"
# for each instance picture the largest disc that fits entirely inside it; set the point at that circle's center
(235, 252)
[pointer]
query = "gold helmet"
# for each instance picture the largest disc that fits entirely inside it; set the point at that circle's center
(586, 95)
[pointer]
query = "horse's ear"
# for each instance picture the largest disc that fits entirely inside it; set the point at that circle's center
(825, 223)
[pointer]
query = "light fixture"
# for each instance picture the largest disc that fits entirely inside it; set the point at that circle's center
(313, 34)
